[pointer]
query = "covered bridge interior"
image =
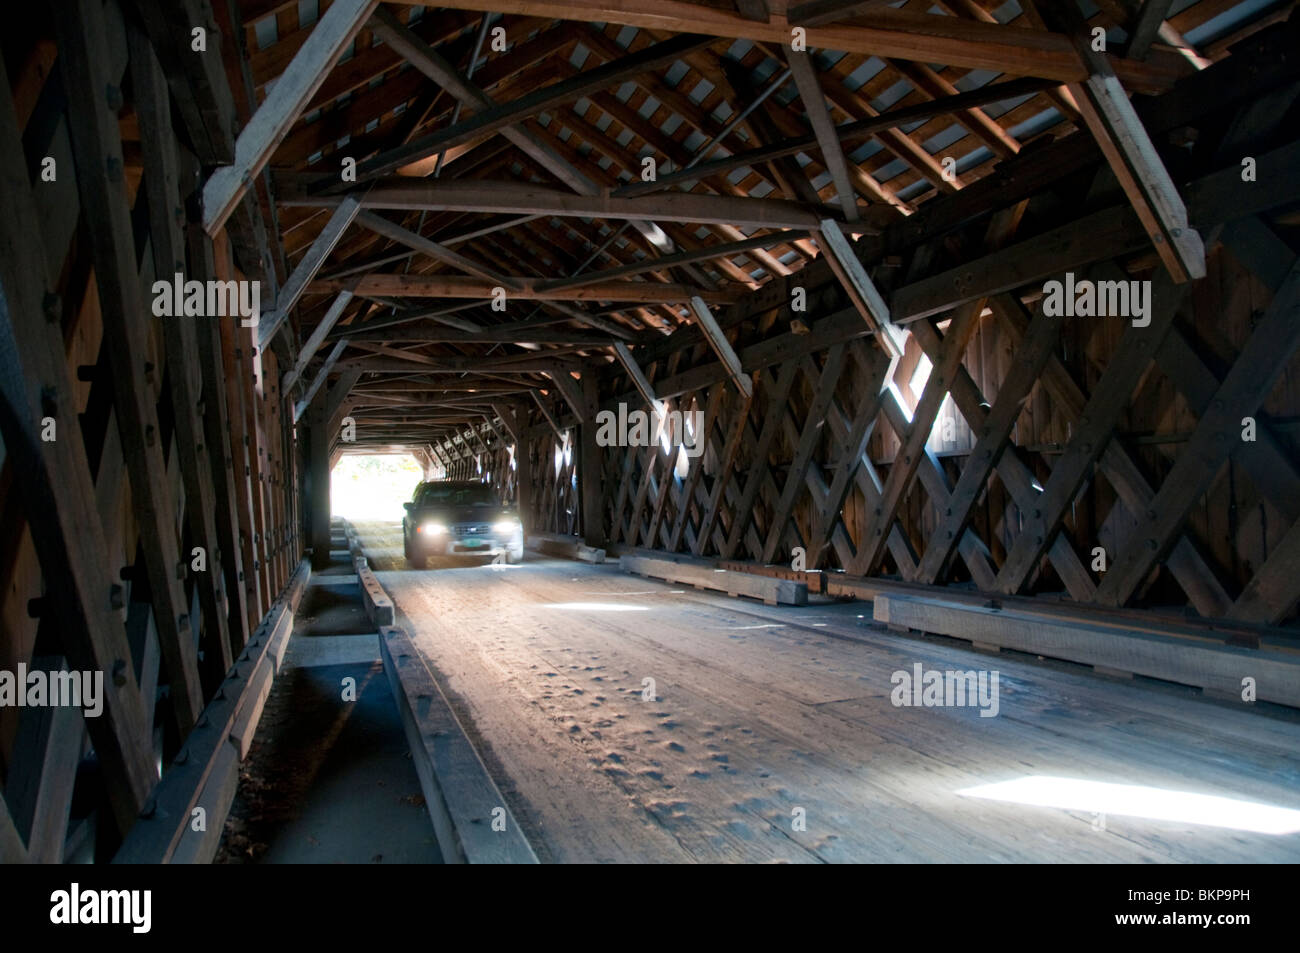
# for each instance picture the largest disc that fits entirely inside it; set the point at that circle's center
(954, 309)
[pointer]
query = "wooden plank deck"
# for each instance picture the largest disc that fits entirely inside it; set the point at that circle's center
(762, 710)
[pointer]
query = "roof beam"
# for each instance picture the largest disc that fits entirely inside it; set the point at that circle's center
(721, 346)
(819, 12)
(509, 419)
(1142, 31)
(391, 230)
(301, 407)
(848, 132)
(488, 196)
(707, 253)
(420, 55)
(496, 118)
(857, 284)
(269, 125)
(1132, 157)
(639, 380)
(550, 418)
(501, 334)
(316, 340)
(465, 286)
(571, 391)
(457, 364)
(440, 315)
(1124, 141)
(814, 101)
(320, 250)
(594, 321)
(884, 32)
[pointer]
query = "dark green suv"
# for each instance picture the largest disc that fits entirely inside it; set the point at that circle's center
(445, 518)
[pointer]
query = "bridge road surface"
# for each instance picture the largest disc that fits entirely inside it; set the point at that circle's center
(765, 714)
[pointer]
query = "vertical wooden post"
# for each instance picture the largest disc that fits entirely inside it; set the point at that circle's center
(317, 485)
(593, 525)
(216, 429)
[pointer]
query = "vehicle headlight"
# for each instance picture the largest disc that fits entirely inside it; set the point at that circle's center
(432, 529)
(506, 527)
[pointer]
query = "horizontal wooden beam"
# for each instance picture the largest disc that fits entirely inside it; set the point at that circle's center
(819, 12)
(540, 364)
(954, 41)
(506, 334)
(511, 197)
(1201, 662)
(460, 286)
(707, 253)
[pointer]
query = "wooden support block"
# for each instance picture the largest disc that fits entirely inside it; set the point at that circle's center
(1199, 662)
(279, 641)
(199, 847)
(782, 591)
(250, 706)
(459, 794)
(379, 608)
(566, 547)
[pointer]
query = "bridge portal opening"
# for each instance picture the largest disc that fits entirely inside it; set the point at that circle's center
(373, 486)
